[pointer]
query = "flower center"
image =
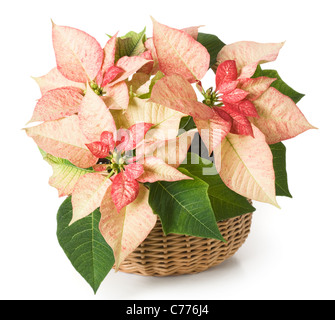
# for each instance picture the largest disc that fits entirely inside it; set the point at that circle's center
(116, 162)
(98, 90)
(212, 98)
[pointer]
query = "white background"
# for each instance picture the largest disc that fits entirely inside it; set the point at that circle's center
(290, 252)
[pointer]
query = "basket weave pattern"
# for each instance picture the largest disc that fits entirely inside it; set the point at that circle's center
(161, 255)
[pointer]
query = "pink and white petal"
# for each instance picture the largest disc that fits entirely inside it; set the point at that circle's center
(123, 139)
(279, 117)
(124, 231)
(137, 133)
(226, 87)
(149, 44)
(199, 87)
(226, 72)
(79, 56)
(99, 78)
(58, 103)
(130, 65)
(192, 31)
(147, 55)
(148, 68)
(256, 86)
(99, 149)
(88, 194)
(109, 58)
(124, 191)
(235, 96)
(241, 126)
(240, 123)
(54, 80)
(245, 165)
(108, 139)
(248, 55)
(244, 108)
(177, 93)
(63, 139)
(111, 74)
(213, 131)
(95, 117)
(179, 53)
(156, 169)
(166, 120)
(133, 171)
(247, 108)
(109, 51)
(117, 96)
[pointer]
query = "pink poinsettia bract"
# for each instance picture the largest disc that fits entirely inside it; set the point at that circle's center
(117, 160)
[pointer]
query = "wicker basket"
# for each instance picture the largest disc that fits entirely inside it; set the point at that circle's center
(161, 255)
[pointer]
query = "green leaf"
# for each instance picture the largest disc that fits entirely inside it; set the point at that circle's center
(279, 84)
(279, 164)
(84, 245)
(225, 202)
(187, 124)
(258, 73)
(132, 44)
(65, 174)
(184, 207)
(213, 45)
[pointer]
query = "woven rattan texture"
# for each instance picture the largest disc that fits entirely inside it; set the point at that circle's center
(161, 255)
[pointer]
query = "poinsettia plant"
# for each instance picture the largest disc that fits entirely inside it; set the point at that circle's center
(121, 127)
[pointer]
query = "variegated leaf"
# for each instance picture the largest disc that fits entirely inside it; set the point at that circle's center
(214, 130)
(124, 190)
(117, 96)
(65, 174)
(245, 165)
(279, 117)
(88, 194)
(179, 53)
(130, 65)
(248, 55)
(126, 230)
(256, 86)
(109, 57)
(79, 56)
(58, 103)
(166, 121)
(156, 169)
(54, 80)
(95, 117)
(176, 93)
(63, 139)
